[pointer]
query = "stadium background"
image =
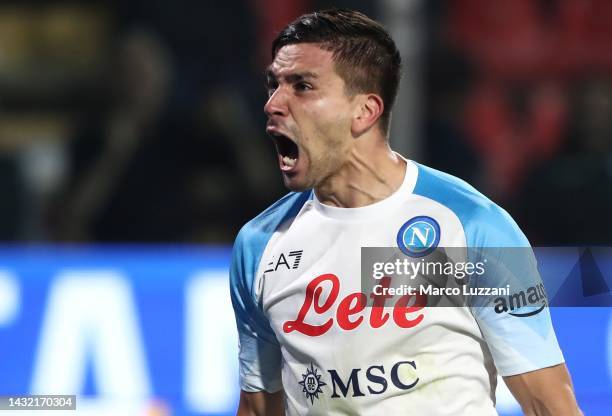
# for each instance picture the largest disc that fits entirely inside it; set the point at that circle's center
(132, 149)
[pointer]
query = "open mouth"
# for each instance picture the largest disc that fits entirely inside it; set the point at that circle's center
(287, 150)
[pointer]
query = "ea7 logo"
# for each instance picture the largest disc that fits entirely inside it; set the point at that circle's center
(289, 261)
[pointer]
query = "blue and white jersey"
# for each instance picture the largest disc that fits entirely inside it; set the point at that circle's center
(296, 291)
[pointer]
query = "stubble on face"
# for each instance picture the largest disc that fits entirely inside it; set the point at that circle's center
(329, 152)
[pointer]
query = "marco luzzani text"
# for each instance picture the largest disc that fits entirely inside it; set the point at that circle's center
(412, 269)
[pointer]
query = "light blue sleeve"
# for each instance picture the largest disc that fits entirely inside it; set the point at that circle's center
(260, 357)
(517, 327)
(520, 341)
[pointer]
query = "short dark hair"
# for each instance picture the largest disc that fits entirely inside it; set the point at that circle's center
(364, 53)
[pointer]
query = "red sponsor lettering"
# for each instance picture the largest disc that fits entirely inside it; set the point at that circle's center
(402, 310)
(348, 312)
(378, 317)
(346, 309)
(313, 293)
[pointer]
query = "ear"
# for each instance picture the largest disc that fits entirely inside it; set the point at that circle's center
(368, 109)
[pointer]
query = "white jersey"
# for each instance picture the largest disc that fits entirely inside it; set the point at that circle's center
(295, 284)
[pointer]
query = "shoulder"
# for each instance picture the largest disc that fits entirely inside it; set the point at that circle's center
(246, 255)
(485, 223)
(254, 236)
(260, 229)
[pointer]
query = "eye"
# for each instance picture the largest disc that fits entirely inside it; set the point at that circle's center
(271, 87)
(302, 86)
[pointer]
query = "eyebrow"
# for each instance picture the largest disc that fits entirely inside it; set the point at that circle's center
(295, 77)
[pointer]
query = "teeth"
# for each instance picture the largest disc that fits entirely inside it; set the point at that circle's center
(288, 161)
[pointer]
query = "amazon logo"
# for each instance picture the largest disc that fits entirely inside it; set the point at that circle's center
(534, 296)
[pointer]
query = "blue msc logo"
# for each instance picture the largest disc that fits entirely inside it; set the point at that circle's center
(419, 236)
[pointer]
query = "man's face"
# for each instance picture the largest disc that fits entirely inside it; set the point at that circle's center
(309, 115)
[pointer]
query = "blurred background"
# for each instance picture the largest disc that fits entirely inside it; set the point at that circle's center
(132, 149)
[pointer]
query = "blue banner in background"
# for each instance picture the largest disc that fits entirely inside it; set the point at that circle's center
(149, 330)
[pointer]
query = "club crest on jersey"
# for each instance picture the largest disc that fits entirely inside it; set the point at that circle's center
(419, 236)
(311, 383)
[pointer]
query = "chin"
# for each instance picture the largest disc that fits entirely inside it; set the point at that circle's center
(295, 185)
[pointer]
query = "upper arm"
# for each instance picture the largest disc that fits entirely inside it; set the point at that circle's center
(259, 351)
(547, 391)
(516, 325)
(261, 403)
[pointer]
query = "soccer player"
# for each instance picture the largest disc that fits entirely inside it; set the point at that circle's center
(308, 344)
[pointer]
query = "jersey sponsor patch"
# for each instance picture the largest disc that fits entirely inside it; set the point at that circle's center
(360, 381)
(311, 383)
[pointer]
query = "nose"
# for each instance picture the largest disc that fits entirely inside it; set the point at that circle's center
(277, 104)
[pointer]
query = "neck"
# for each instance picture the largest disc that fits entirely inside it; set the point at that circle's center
(371, 172)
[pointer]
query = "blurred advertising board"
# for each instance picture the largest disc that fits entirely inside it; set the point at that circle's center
(149, 330)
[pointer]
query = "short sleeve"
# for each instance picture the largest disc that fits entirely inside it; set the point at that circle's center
(260, 357)
(520, 340)
(516, 325)
(259, 352)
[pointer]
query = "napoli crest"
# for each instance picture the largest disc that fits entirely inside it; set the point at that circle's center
(419, 236)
